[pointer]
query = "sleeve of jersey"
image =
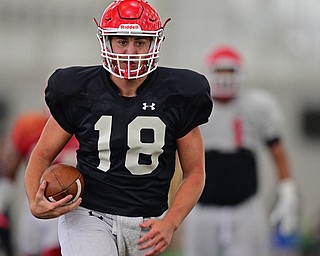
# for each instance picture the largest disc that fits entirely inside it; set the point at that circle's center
(197, 108)
(54, 97)
(270, 116)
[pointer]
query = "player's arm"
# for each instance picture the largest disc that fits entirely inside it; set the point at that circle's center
(10, 161)
(191, 154)
(51, 142)
(281, 160)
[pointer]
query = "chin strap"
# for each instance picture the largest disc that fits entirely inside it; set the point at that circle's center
(285, 213)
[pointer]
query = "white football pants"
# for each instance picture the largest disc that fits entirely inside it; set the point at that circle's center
(241, 230)
(86, 232)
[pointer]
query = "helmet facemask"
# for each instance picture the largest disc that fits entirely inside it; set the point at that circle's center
(144, 63)
(225, 82)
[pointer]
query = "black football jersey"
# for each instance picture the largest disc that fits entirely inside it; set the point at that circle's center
(127, 146)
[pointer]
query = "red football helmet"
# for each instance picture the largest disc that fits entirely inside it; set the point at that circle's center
(223, 71)
(26, 131)
(130, 18)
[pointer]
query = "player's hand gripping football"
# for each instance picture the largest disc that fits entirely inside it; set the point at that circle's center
(158, 238)
(44, 209)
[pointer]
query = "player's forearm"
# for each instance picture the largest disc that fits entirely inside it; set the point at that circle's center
(34, 170)
(281, 161)
(186, 197)
(10, 161)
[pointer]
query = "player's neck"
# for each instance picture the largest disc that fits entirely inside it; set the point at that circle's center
(128, 87)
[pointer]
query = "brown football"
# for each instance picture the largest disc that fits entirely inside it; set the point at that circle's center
(63, 180)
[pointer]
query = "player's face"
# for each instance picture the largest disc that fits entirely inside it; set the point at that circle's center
(224, 83)
(130, 45)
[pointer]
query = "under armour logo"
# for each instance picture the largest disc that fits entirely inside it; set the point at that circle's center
(152, 106)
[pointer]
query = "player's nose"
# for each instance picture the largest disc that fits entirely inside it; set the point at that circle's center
(131, 48)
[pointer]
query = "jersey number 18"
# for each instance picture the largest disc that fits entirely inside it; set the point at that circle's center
(136, 146)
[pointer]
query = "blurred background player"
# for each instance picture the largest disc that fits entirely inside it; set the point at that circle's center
(5, 187)
(229, 218)
(34, 237)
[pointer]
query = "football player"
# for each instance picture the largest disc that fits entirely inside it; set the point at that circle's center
(229, 217)
(35, 237)
(6, 190)
(130, 117)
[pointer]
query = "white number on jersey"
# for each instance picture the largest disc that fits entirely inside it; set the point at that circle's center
(136, 146)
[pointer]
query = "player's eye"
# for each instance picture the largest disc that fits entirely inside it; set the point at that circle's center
(142, 42)
(122, 42)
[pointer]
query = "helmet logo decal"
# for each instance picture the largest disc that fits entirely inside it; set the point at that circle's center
(129, 27)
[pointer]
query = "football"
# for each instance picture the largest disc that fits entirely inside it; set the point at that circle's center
(63, 180)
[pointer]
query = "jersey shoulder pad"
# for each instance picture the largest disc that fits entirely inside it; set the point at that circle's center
(71, 79)
(260, 97)
(184, 80)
